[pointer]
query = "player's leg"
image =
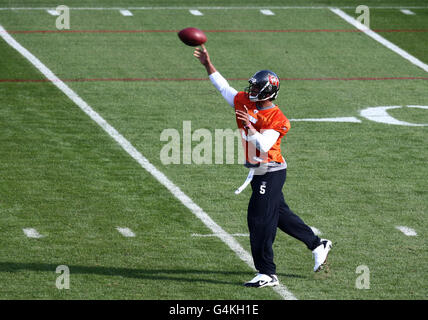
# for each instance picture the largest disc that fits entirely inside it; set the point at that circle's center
(263, 218)
(294, 226)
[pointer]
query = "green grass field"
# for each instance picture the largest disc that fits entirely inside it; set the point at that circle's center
(64, 176)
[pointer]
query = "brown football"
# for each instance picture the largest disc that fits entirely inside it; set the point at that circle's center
(192, 36)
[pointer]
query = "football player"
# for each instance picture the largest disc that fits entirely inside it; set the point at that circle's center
(263, 125)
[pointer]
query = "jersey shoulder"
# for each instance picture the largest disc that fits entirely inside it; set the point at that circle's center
(279, 121)
(242, 99)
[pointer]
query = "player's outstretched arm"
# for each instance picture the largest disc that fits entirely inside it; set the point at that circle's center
(216, 78)
(204, 58)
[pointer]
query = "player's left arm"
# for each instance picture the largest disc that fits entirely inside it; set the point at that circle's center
(264, 140)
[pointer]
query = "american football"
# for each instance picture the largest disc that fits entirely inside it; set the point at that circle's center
(192, 36)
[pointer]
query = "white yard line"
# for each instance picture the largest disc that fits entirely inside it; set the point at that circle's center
(217, 8)
(144, 163)
(339, 119)
(126, 13)
(418, 107)
(196, 12)
(407, 12)
(126, 232)
(407, 231)
(267, 12)
(32, 233)
(53, 12)
(380, 39)
(216, 235)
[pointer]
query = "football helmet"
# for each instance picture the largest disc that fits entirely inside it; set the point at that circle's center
(264, 85)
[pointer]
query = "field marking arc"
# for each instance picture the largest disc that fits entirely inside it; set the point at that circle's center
(230, 241)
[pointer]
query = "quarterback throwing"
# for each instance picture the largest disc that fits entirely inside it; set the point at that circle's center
(263, 125)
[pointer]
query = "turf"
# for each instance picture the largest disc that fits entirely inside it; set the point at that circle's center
(64, 176)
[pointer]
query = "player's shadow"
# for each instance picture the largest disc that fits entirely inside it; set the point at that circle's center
(181, 275)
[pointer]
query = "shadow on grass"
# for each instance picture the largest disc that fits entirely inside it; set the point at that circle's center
(187, 275)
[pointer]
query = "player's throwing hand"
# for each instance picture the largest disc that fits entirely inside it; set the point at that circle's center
(202, 55)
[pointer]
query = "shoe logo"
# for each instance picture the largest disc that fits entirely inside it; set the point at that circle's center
(325, 243)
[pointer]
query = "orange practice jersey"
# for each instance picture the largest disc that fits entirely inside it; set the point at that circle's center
(271, 118)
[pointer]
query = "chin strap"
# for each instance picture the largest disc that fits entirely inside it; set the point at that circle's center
(247, 181)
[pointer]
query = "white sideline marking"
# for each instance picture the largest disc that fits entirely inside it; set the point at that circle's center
(267, 12)
(126, 232)
(196, 12)
(407, 231)
(316, 231)
(216, 235)
(380, 39)
(126, 13)
(53, 12)
(137, 156)
(419, 107)
(32, 233)
(340, 119)
(215, 8)
(408, 12)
